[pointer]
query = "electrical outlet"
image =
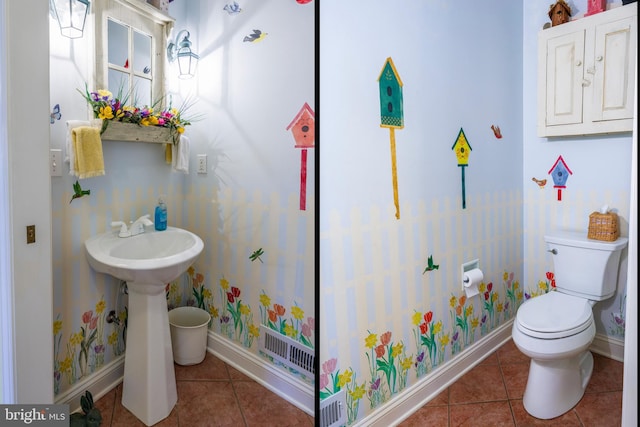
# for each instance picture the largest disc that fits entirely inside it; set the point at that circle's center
(55, 162)
(202, 163)
(31, 234)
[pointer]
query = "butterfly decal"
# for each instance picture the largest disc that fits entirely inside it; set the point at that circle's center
(55, 114)
(232, 9)
(303, 1)
(146, 70)
(256, 255)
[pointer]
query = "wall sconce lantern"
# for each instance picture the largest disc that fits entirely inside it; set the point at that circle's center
(71, 16)
(180, 49)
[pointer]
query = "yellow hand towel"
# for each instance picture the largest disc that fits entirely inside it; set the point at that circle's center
(87, 145)
(167, 153)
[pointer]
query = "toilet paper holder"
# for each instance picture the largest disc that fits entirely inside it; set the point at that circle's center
(467, 266)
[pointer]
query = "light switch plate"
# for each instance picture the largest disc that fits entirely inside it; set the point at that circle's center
(202, 163)
(55, 162)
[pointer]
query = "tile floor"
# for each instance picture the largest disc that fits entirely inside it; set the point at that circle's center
(215, 394)
(491, 395)
(212, 393)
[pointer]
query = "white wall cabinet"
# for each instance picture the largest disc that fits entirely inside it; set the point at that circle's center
(586, 70)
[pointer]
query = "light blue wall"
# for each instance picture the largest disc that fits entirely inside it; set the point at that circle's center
(471, 65)
(601, 167)
(246, 95)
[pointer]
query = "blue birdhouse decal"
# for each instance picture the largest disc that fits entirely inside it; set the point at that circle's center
(391, 114)
(560, 173)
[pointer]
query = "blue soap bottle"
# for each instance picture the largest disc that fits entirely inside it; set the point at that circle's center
(161, 215)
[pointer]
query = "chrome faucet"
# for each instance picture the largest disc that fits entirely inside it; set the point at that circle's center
(137, 226)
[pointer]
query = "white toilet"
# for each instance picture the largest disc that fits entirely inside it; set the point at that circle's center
(556, 329)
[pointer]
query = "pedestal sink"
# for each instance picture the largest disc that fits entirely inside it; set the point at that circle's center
(147, 262)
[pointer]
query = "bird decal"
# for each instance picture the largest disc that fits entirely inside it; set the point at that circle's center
(78, 191)
(430, 265)
(255, 37)
(496, 131)
(541, 182)
(232, 8)
(256, 255)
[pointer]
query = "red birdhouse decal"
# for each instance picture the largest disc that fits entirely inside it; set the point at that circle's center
(303, 127)
(304, 132)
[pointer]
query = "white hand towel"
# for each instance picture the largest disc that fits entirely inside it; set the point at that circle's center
(69, 152)
(180, 155)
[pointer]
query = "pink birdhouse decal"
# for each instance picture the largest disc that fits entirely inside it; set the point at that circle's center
(560, 173)
(303, 129)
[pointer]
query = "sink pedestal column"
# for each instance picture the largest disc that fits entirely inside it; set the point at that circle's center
(149, 386)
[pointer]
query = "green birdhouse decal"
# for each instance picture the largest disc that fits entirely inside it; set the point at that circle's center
(391, 114)
(462, 149)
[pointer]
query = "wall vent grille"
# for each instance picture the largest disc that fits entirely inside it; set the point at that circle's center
(332, 410)
(288, 351)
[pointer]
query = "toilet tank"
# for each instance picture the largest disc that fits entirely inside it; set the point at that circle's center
(584, 267)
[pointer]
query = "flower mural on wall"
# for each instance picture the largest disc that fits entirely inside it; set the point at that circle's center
(85, 349)
(462, 321)
(332, 381)
(236, 318)
(544, 286)
(618, 319)
(272, 316)
(389, 359)
(427, 334)
(513, 295)
(489, 296)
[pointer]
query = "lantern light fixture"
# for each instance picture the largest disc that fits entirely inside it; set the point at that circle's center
(180, 49)
(71, 16)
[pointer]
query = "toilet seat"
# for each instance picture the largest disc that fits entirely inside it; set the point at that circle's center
(554, 315)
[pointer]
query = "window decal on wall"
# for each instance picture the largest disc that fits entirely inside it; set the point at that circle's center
(391, 115)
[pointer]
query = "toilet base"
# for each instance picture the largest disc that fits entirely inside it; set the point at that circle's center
(556, 386)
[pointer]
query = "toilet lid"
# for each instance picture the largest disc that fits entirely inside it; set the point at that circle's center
(554, 315)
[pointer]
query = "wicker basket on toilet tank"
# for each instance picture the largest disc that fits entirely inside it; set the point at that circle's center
(603, 226)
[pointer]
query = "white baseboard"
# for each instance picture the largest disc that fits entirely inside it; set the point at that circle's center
(98, 384)
(417, 395)
(609, 347)
(293, 390)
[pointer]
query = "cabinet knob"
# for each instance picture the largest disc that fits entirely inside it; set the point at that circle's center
(578, 63)
(599, 58)
(585, 82)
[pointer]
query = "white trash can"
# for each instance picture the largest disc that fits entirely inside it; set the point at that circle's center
(188, 334)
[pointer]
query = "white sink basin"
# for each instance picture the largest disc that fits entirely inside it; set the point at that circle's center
(153, 257)
(147, 262)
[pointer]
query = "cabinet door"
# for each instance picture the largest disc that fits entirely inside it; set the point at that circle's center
(564, 78)
(613, 70)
